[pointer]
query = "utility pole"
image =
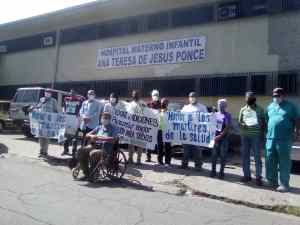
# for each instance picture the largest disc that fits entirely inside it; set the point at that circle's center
(56, 63)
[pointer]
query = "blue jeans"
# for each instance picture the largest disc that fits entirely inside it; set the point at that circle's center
(220, 150)
(192, 151)
(251, 143)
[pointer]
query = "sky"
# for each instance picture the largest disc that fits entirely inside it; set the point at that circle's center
(13, 10)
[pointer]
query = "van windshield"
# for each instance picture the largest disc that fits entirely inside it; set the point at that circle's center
(27, 96)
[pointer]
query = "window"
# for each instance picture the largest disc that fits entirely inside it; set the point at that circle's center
(158, 21)
(31, 96)
(104, 88)
(19, 96)
(258, 84)
(288, 82)
(228, 11)
(259, 7)
(82, 33)
(171, 88)
(218, 86)
(192, 16)
(291, 4)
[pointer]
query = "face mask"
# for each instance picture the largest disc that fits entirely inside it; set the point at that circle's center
(113, 100)
(193, 100)
(277, 100)
(155, 98)
(91, 97)
(135, 98)
(222, 107)
(47, 94)
(251, 101)
(105, 122)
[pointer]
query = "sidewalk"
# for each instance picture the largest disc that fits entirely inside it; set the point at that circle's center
(178, 181)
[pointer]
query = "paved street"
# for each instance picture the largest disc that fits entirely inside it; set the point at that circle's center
(43, 192)
(33, 193)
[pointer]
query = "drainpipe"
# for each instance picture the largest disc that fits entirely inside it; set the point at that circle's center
(57, 51)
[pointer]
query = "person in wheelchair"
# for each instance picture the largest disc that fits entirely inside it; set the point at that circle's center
(102, 139)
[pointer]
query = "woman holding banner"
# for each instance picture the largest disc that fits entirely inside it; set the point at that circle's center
(164, 148)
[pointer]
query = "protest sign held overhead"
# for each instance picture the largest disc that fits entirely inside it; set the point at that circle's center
(190, 128)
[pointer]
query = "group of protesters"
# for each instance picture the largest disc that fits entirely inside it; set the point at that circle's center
(272, 129)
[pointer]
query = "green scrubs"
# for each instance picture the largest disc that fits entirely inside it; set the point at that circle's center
(281, 125)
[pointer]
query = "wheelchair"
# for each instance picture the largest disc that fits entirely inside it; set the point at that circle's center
(112, 166)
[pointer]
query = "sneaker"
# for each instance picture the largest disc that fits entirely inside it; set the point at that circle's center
(167, 165)
(258, 182)
(83, 178)
(43, 155)
(198, 168)
(282, 189)
(221, 176)
(246, 179)
(270, 184)
(213, 174)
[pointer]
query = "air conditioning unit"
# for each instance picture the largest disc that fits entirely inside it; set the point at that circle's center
(48, 41)
(3, 49)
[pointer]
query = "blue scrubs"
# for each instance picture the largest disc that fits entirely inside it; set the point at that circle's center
(281, 120)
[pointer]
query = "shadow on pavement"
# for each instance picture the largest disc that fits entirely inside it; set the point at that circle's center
(121, 183)
(56, 161)
(3, 149)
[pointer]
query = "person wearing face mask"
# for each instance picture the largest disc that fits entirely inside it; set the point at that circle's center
(90, 112)
(153, 104)
(46, 104)
(164, 148)
(252, 123)
(103, 138)
(283, 119)
(221, 141)
(136, 107)
(113, 102)
(189, 150)
(71, 106)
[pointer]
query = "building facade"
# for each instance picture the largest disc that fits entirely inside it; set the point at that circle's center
(249, 45)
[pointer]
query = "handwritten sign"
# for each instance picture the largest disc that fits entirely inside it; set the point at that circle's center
(137, 125)
(190, 128)
(185, 50)
(51, 125)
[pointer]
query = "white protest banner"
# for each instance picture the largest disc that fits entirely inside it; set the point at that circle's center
(185, 50)
(190, 128)
(137, 125)
(51, 125)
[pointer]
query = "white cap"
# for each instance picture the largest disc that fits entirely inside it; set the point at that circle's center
(155, 93)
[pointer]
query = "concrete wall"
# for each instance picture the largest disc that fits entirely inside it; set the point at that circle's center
(285, 40)
(27, 67)
(232, 47)
(91, 13)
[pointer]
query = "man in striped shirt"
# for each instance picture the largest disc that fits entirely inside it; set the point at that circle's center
(252, 123)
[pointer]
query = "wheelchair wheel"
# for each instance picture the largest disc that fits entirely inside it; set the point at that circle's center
(118, 166)
(97, 172)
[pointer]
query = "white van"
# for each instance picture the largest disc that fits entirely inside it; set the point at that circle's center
(30, 96)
